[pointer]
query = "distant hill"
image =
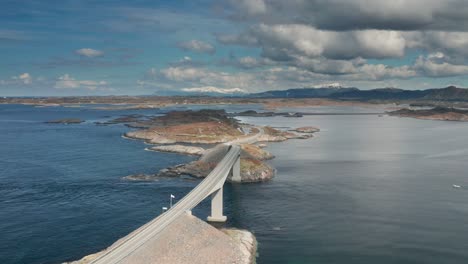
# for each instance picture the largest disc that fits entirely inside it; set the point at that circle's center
(304, 92)
(450, 93)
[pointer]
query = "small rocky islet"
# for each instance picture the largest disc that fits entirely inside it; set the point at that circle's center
(65, 121)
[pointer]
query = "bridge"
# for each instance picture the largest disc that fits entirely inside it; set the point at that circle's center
(212, 186)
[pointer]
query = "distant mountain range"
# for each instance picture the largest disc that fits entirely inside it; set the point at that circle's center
(336, 92)
(450, 93)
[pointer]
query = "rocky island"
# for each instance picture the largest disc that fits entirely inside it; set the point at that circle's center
(436, 113)
(196, 127)
(183, 132)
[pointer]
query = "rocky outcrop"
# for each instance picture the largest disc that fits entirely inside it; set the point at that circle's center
(126, 119)
(190, 150)
(65, 121)
(256, 114)
(275, 135)
(149, 136)
(256, 152)
(189, 240)
(253, 170)
(140, 177)
(246, 241)
(307, 129)
(271, 138)
(289, 135)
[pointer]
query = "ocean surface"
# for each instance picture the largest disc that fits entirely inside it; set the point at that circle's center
(366, 189)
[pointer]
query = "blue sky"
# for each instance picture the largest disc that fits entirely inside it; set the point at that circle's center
(161, 47)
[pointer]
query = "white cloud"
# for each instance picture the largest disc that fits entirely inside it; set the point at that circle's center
(434, 66)
(279, 77)
(284, 41)
(183, 73)
(24, 78)
(339, 15)
(197, 46)
(212, 89)
(336, 37)
(328, 85)
(67, 82)
(381, 71)
(89, 53)
(454, 44)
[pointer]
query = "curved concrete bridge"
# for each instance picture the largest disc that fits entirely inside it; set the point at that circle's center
(211, 185)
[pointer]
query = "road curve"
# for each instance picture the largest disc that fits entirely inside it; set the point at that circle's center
(249, 139)
(130, 243)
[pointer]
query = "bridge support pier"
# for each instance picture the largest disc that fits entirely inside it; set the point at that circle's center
(235, 171)
(217, 207)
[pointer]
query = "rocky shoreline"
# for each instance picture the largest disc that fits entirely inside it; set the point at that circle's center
(181, 149)
(436, 113)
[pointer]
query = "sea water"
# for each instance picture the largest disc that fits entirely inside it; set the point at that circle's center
(366, 189)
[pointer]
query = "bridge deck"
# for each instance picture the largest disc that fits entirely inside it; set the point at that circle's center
(129, 244)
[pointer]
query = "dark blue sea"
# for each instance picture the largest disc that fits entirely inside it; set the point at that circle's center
(367, 189)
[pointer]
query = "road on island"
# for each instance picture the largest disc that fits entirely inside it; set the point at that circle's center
(249, 139)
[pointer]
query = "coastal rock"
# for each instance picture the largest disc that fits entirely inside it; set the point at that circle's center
(126, 119)
(257, 152)
(246, 241)
(275, 135)
(271, 138)
(253, 170)
(254, 113)
(189, 240)
(140, 177)
(150, 137)
(289, 135)
(65, 121)
(190, 150)
(307, 129)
